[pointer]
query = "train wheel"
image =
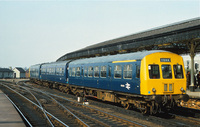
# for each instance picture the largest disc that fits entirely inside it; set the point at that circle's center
(67, 91)
(144, 111)
(154, 108)
(127, 106)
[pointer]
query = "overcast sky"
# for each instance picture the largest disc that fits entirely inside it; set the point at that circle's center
(33, 32)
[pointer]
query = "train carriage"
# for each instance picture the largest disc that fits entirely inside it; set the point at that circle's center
(35, 72)
(108, 72)
(55, 72)
(150, 80)
(156, 79)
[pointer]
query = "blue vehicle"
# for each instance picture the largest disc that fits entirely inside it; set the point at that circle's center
(35, 72)
(114, 73)
(150, 80)
(55, 72)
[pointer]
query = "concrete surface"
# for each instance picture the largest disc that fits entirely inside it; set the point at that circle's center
(9, 116)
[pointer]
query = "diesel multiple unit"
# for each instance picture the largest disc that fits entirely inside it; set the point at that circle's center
(150, 80)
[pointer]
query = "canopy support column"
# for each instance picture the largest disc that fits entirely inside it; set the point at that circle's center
(192, 47)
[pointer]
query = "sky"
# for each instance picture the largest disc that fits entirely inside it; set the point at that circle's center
(38, 31)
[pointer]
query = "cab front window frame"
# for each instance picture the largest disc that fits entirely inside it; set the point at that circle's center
(154, 71)
(166, 71)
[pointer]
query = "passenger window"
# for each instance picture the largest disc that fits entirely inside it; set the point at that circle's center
(96, 71)
(70, 72)
(109, 71)
(57, 71)
(81, 71)
(154, 72)
(78, 71)
(118, 71)
(178, 71)
(166, 71)
(85, 72)
(103, 71)
(137, 71)
(73, 72)
(90, 71)
(62, 71)
(127, 71)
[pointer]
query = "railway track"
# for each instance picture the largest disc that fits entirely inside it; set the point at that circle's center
(91, 116)
(160, 120)
(187, 114)
(99, 113)
(59, 112)
(52, 117)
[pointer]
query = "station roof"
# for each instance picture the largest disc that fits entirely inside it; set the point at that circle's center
(173, 37)
(20, 69)
(5, 70)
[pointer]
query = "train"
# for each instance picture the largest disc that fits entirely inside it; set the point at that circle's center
(150, 81)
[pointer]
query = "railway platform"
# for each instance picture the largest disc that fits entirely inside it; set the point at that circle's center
(194, 94)
(9, 117)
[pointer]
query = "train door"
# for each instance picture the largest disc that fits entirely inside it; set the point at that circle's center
(109, 82)
(136, 77)
(67, 73)
(82, 76)
(40, 74)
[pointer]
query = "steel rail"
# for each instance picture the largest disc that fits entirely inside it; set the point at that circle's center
(35, 105)
(65, 108)
(19, 111)
(43, 110)
(181, 124)
(68, 109)
(188, 118)
(133, 122)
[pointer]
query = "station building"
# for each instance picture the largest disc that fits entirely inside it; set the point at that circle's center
(6, 73)
(27, 73)
(19, 72)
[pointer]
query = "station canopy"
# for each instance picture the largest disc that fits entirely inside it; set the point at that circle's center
(180, 38)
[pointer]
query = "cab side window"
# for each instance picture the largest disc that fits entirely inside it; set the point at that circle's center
(178, 71)
(154, 72)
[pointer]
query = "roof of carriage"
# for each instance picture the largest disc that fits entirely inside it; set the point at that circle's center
(119, 57)
(60, 63)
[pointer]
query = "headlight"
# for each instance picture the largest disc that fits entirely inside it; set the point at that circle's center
(182, 89)
(154, 90)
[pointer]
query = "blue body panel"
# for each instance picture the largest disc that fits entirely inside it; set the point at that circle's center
(55, 72)
(108, 83)
(58, 72)
(35, 71)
